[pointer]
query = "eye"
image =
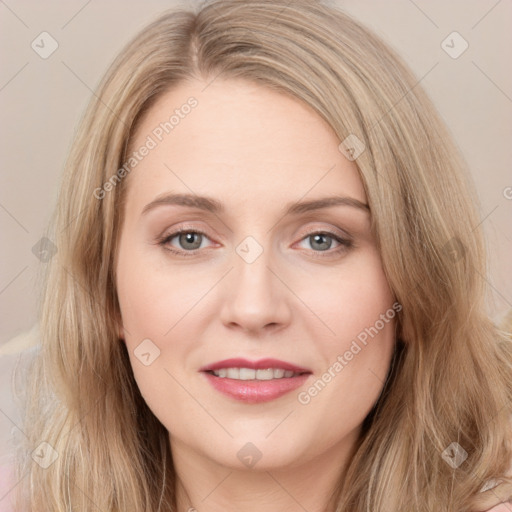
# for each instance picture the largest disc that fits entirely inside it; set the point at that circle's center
(188, 240)
(322, 241)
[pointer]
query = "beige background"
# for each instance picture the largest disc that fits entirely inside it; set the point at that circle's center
(42, 100)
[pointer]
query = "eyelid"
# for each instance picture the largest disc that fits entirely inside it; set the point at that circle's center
(331, 230)
(180, 228)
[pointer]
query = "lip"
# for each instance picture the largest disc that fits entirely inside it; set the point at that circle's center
(255, 391)
(261, 364)
(252, 391)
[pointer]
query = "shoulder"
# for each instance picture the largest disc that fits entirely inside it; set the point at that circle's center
(503, 507)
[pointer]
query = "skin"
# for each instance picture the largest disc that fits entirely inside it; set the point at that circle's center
(254, 150)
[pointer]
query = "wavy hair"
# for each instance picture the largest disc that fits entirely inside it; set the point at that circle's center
(451, 380)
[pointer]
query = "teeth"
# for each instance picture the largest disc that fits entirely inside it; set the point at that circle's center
(251, 374)
(265, 374)
(233, 373)
(247, 374)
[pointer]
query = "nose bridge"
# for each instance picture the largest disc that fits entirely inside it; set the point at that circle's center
(253, 278)
(255, 296)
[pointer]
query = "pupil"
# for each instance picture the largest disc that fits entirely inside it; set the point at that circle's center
(324, 245)
(188, 238)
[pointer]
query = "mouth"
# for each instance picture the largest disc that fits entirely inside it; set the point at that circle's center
(255, 381)
(252, 374)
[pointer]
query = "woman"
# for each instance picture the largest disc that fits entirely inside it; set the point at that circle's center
(322, 344)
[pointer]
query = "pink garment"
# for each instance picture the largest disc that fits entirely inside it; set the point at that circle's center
(6, 485)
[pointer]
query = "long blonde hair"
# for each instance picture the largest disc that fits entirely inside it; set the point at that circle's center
(451, 379)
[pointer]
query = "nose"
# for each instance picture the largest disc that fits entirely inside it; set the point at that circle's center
(255, 298)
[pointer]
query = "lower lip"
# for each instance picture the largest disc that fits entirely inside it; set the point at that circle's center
(256, 391)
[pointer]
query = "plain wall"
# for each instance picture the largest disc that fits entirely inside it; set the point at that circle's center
(43, 99)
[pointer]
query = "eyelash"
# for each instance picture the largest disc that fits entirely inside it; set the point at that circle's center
(344, 243)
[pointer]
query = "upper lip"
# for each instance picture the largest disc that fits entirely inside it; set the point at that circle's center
(261, 364)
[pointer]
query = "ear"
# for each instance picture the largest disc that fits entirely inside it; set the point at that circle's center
(119, 328)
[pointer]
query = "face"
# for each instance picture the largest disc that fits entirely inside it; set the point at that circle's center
(250, 310)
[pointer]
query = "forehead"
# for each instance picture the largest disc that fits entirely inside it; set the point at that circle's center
(240, 140)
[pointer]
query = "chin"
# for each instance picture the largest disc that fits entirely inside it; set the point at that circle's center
(256, 453)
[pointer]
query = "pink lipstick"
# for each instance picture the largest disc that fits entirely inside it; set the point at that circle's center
(255, 381)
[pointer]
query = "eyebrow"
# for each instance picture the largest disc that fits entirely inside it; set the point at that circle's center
(213, 206)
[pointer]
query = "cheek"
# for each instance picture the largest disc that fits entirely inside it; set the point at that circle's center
(151, 305)
(355, 354)
(157, 304)
(153, 297)
(350, 299)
